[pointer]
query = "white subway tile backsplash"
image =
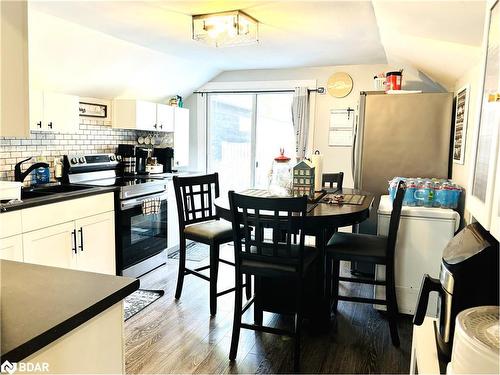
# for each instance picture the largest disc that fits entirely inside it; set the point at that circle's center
(92, 137)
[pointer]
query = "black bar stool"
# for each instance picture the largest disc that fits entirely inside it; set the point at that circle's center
(199, 222)
(370, 249)
(277, 257)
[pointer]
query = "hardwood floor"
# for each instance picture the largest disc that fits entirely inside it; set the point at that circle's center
(180, 337)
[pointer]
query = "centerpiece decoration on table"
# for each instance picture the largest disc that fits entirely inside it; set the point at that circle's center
(303, 179)
(280, 181)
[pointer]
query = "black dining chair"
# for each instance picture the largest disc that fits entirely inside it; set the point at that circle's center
(199, 222)
(329, 179)
(370, 249)
(273, 256)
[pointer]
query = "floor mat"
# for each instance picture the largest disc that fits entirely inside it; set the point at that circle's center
(139, 300)
(195, 252)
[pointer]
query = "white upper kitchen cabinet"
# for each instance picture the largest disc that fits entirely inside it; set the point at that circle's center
(14, 77)
(134, 114)
(181, 137)
(53, 112)
(165, 117)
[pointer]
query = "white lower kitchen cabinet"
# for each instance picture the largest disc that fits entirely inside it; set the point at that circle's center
(11, 248)
(76, 234)
(53, 246)
(96, 243)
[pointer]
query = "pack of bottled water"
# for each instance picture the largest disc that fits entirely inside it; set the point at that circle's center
(427, 192)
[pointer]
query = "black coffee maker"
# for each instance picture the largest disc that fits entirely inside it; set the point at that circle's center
(468, 278)
(141, 159)
(165, 157)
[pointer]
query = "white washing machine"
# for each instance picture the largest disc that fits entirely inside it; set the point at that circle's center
(423, 234)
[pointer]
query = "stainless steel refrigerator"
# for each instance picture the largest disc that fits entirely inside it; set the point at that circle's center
(406, 135)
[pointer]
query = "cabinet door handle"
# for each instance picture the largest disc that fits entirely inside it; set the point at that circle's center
(50, 125)
(81, 238)
(161, 126)
(39, 124)
(155, 126)
(73, 240)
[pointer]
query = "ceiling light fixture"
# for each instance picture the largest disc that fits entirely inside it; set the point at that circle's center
(225, 29)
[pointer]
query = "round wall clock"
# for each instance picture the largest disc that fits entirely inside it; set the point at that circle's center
(339, 85)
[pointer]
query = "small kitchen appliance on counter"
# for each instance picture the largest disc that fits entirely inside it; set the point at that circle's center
(141, 237)
(127, 154)
(165, 157)
(476, 344)
(141, 159)
(468, 278)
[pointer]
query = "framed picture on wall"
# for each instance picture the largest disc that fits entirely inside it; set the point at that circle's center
(93, 110)
(461, 114)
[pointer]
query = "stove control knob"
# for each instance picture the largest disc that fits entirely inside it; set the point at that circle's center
(74, 160)
(81, 160)
(112, 158)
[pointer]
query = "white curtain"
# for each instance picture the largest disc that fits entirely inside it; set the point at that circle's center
(300, 119)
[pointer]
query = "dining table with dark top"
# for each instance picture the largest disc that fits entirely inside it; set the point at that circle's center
(321, 221)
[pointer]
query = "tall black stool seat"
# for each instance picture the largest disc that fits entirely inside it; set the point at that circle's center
(199, 222)
(219, 231)
(263, 229)
(351, 246)
(369, 249)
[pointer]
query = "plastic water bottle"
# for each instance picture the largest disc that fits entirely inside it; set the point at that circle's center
(428, 193)
(409, 198)
(419, 192)
(437, 193)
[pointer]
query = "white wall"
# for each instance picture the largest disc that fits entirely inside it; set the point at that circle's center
(461, 173)
(335, 158)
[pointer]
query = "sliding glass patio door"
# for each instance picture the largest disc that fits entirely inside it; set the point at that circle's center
(245, 133)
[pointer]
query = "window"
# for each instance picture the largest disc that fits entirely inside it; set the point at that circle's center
(245, 134)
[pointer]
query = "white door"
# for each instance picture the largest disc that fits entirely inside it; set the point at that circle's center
(53, 246)
(165, 117)
(36, 110)
(181, 137)
(96, 243)
(145, 115)
(11, 248)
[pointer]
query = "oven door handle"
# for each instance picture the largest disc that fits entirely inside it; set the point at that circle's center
(130, 203)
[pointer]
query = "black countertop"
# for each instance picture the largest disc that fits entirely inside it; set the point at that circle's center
(55, 197)
(39, 304)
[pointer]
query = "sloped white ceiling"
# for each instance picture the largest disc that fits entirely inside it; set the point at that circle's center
(440, 38)
(144, 49)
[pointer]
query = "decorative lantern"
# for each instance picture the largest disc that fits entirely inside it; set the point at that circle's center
(303, 179)
(281, 175)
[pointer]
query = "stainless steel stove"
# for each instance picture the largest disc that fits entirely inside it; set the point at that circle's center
(141, 240)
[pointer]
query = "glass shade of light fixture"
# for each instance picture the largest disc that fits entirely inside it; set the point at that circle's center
(233, 28)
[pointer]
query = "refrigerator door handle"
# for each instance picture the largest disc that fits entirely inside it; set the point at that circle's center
(353, 150)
